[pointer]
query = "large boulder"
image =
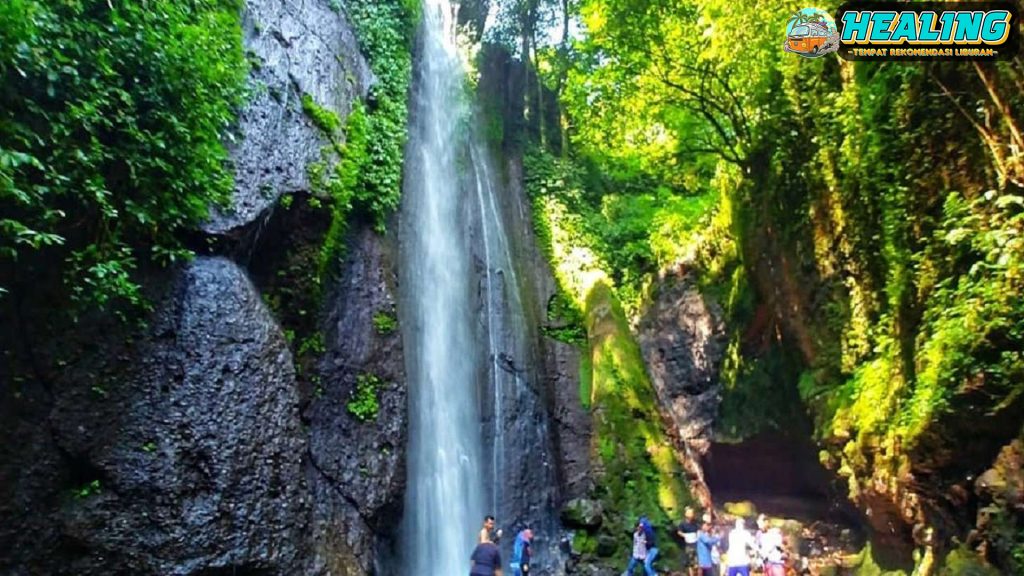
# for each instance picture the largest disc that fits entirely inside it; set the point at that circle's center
(582, 513)
(682, 338)
(297, 47)
(180, 453)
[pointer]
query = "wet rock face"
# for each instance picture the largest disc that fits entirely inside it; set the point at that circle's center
(682, 338)
(572, 421)
(558, 363)
(179, 455)
(297, 47)
(358, 467)
(1000, 493)
(188, 448)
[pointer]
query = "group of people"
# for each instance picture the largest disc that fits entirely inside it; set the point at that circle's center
(486, 558)
(706, 551)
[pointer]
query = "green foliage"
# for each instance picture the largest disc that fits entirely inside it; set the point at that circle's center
(91, 489)
(564, 321)
(963, 561)
(363, 403)
(292, 288)
(111, 127)
(361, 168)
(632, 225)
(385, 31)
(866, 564)
(313, 344)
(385, 322)
(339, 185)
(324, 119)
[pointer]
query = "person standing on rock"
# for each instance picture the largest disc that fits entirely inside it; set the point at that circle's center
(687, 531)
(521, 553)
(639, 552)
(741, 542)
(486, 560)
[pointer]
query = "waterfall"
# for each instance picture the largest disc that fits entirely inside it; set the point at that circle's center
(445, 493)
(478, 438)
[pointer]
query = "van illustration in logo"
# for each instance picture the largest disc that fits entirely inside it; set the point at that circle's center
(811, 32)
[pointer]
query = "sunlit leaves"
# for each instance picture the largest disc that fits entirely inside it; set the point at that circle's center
(111, 122)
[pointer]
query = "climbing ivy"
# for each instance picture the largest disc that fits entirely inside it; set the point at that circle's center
(361, 167)
(385, 31)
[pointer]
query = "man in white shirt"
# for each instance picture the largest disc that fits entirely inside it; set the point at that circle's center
(741, 542)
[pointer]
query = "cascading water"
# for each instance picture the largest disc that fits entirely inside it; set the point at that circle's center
(444, 501)
(469, 355)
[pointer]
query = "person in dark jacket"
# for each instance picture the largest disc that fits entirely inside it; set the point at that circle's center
(486, 560)
(687, 532)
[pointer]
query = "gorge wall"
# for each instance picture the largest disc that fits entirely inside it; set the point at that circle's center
(255, 419)
(217, 438)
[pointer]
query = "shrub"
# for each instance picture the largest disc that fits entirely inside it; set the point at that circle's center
(111, 128)
(363, 404)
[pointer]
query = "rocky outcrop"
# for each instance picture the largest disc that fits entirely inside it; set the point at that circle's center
(682, 337)
(297, 47)
(188, 447)
(358, 467)
(558, 362)
(582, 513)
(1000, 493)
(178, 454)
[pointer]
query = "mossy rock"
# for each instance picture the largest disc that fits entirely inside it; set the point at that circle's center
(865, 564)
(744, 509)
(606, 546)
(584, 543)
(582, 513)
(965, 562)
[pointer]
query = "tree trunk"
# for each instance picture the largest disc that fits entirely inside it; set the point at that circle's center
(540, 95)
(989, 78)
(563, 119)
(994, 146)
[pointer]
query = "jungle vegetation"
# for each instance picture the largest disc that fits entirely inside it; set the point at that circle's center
(860, 222)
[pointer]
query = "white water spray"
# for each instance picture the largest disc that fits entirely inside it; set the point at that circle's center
(444, 502)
